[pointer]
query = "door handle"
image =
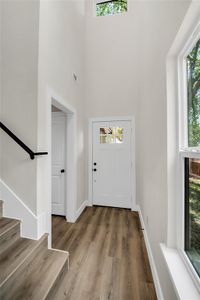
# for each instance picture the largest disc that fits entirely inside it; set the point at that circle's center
(62, 171)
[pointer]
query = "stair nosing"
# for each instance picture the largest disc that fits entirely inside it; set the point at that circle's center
(61, 269)
(23, 260)
(11, 227)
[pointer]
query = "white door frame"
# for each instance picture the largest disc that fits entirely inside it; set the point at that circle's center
(57, 114)
(90, 154)
(71, 155)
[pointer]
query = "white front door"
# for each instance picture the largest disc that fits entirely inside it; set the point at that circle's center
(112, 163)
(58, 163)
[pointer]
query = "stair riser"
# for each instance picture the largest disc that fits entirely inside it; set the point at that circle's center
(8, 291)
(52, 293)
(9, 237)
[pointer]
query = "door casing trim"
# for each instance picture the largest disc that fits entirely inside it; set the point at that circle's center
(58, 114)
(71, 153)
(90, 154)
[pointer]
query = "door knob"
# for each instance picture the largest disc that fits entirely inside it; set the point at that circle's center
(62, 171)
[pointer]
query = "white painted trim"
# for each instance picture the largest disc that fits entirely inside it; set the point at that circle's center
(32, 226)
(41, 225)
(188, 264)
(177, 131)
(90, 153)
(58, 114)
(59, 102)
(81, 209)
(61, 115)
(116, 118)
(183, 284)
(71, 154)
(151, 258)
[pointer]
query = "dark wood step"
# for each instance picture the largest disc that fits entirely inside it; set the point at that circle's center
(37, 277)
(9, 232)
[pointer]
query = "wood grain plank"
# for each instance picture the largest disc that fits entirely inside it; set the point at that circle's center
(108, 258)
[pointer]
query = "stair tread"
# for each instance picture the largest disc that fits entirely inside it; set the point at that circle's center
(14, 256)
(6, 224)
(36, 280)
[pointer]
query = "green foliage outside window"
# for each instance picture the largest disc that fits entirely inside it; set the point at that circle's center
(193, 76)
(112, 7)
(193, 229)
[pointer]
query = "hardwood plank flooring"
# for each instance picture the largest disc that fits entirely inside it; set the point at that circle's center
(108, 258)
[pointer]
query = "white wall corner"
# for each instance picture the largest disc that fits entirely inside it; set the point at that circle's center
(151, 259)
(135, 207)
(81, 209)
(32, 226)
(41, 224)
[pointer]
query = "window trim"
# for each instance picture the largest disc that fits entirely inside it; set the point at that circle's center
(177, 269)
(182, 88)
(184, 151)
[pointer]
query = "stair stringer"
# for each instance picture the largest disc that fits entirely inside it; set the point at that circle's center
(32, 226)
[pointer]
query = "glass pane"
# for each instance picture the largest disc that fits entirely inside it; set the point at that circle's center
(119, 130)
(119, 139)
(192, 211)
(102, 130)
(103, 139)
(193, 95)
(110, 139)
(110, 135)
(111, 7)
(106, 130)
(110, 130)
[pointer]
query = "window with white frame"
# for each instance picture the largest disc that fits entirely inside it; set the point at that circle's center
(110, 7)
(190, 154)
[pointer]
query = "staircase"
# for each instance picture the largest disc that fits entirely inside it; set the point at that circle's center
(28, 269)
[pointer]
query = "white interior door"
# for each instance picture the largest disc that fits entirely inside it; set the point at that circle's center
(112, 163)
(58, 163)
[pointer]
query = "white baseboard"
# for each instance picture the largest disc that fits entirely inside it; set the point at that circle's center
(32, 226)
(135, 207)
(151, 259)
(81, 209)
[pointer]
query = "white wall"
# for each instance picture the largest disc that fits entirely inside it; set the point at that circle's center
(20, 20)
(43, 45)
(125, 74)
(0, 79)
(61, 53)
(159, 33)
(111, 63)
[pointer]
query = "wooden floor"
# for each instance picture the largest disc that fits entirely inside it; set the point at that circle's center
(108, 258)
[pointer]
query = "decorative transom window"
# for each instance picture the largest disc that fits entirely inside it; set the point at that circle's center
(190, 155)
(111, 135)
(110, 7)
